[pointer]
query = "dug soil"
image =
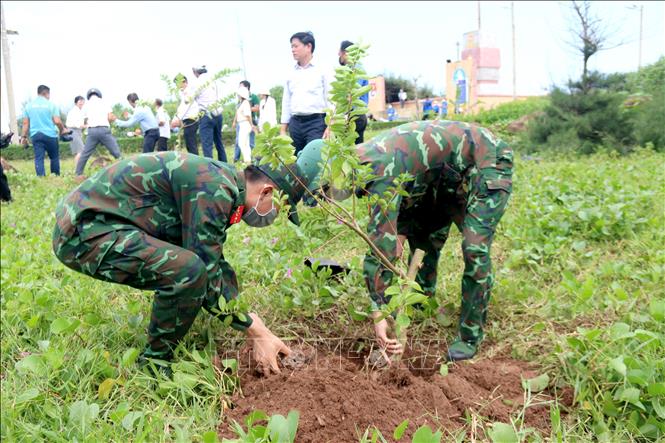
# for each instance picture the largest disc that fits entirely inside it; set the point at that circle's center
(339, 396)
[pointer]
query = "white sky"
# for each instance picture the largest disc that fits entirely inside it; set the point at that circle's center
(123, 47)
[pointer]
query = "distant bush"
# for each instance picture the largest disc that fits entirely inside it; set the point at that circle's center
(505, 113)
(611, 112)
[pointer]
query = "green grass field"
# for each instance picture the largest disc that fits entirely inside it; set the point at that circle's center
(580, 289)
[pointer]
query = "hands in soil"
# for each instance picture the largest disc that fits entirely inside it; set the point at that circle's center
(265, 346)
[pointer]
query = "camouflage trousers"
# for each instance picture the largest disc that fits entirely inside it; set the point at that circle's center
(476, 216)
(132, 257)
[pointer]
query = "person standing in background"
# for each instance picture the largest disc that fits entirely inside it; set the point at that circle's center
(361, 120)
(98, 117)
(145, 118)
(76, 123)
(40, 118)
(164, 126)
(267, 109)
(305, 95)
(211, 121)
(187, 114)
(245, 126)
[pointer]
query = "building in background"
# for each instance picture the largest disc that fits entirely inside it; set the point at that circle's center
(472, 83)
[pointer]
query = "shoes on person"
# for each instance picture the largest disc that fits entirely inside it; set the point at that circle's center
(462, 350)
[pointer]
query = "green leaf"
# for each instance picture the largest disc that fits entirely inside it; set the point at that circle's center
(403, 320)
(105, 388)
(618, 365)
(536, 384)
(400, 429)
(82, 414)
(28, 395)
(656, 389)
(424, 435)
(63, 325)
(657, 310)
(632, 396)
(210, 437)
(255, 416)
(658, 408)
(129, 357)
(443, 370)
(230, 363)
(130, 419)
(32, 363)
(502, 433)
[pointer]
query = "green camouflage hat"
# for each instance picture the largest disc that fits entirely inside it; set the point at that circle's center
(309, 159)
(290, 180)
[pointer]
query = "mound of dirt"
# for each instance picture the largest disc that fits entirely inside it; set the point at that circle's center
(338, 397)
(521, 123)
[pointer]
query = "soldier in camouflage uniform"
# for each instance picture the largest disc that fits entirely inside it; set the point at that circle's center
(158, 222)
(461, 174)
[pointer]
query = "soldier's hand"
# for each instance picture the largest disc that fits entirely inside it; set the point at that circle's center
(390, 345)
(265, 346)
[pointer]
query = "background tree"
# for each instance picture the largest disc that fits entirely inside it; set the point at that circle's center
(591, 36)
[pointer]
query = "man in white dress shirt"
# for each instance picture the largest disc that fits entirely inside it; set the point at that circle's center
(98, 116)
(305, 94)
(211, 121)
(163, 121)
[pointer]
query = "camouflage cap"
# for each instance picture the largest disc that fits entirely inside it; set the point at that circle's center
(290, 180)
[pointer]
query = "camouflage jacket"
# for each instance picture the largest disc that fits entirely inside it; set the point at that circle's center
(441, 157)
(180, 198)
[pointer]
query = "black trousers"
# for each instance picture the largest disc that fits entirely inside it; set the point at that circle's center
(189, 131)
(361, 125)
(305, 128)
(5, 193)
(162, 144)
(150, 140)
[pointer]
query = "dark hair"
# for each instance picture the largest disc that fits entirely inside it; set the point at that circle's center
(77, 98)
(345, 44)
(306, 38)
(158, 102)
(42, 89)
(246, 84)
(254, 174)
(132, 97)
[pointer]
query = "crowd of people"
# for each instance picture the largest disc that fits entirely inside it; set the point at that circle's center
(198, 115)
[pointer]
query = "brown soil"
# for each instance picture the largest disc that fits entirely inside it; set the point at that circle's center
(338, 395)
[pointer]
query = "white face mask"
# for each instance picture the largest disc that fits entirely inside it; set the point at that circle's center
(257, 220)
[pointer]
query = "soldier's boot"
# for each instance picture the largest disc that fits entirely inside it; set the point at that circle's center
(462, 350)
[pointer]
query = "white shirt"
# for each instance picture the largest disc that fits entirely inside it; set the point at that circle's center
(305, 92)
(206, 90)
(74, 118)
(163, 117)
(244, 111)
(97, 112)
(267, 112)
(188, 108)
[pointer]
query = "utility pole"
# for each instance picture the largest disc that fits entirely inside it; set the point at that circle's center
(512, 19)
(457, 44)
(479, 15)
(13, 127)
(639, 55)
(242, 52)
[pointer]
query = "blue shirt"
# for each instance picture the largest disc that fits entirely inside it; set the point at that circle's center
(143, 116)
(40, 113)
(365, 96)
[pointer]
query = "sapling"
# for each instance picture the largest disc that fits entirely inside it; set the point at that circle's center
(342, 172)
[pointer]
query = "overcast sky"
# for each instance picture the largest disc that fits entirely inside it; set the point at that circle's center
(123, 47)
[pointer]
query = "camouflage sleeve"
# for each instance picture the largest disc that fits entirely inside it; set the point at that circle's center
(382, 231)
(205, 236)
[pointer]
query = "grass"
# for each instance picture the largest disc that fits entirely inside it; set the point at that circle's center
(579, 263)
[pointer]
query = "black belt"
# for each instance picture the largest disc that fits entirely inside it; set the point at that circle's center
(307, 117)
